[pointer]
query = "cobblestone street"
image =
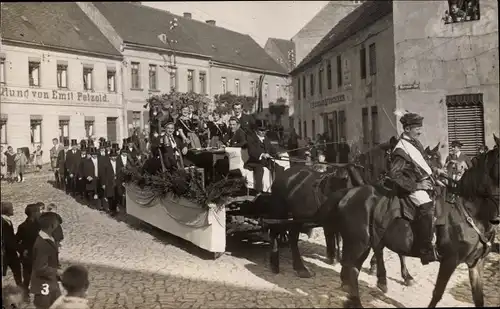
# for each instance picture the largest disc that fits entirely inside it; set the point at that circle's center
(134, 266)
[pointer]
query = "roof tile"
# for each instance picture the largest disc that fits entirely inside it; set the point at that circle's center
(143, 24)
(62, 25)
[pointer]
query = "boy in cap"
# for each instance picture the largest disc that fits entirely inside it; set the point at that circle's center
(10, 258)
(26, 235)
(46, 273)
(75, 280)
(457, 162)
(411, 175)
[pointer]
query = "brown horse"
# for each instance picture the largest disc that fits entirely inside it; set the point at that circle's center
(464, 236)
(299, 193)
(433, 156)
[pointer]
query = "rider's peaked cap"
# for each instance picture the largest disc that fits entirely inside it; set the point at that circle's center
(411, 119)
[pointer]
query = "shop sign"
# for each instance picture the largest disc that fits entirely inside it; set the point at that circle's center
(328, 101)
(35, 94)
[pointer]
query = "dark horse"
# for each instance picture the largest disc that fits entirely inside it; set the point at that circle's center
(464, 235)
(433, 156)
(299, 193)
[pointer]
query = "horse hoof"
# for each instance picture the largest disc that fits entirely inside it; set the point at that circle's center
(331, 261)
(304, 273)
(409, 282)
(382, 287)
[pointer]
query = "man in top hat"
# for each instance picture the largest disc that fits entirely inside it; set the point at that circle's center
(94, 172)
(80, 175)
(111, 182)
(122, 163)
(411, 175)
(260, 153)
(108, 147)
(73, 158)
(131, 149)
(457, 162)
(54, 153)
(61, 165)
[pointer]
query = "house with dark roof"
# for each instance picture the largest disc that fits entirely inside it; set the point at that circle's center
(59, 77)
(282, 51)
(382, 57)
(163, 51)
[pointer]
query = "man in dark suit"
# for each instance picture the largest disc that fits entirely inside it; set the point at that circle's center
(9, 240)
(61, 165)
(73, 158)
(235, 137)
(94, 171)
(246, 121)
(344, 151)
(132, 150)
(122, 163)
(260, 153)
(111, 182)
(174, 148)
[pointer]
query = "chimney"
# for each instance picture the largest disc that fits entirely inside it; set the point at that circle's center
(211, 22)
(187, 15)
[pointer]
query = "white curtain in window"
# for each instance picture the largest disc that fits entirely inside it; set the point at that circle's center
(63, 79)
(34, 75)
(2, 72)
(3, 133)
(111, 83)
(37, 133)
(65, 130)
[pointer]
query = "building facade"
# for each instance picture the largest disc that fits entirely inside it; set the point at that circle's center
(65, 87)
(381, 57)
(329, 16)
(165, 51)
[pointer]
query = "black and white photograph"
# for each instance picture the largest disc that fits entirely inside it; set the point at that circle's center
(250, 154)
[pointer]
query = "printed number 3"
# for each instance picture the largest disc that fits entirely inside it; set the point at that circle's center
(45, 289)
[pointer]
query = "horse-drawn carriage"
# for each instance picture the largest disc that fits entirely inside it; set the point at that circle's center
(206, 226)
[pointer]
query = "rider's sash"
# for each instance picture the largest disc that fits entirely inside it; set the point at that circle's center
(418, 197)
(414, 154)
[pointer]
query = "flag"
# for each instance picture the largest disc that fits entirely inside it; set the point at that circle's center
(260, 103)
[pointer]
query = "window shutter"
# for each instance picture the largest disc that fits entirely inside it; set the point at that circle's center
(466, 121)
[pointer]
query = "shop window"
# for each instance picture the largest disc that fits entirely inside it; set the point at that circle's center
(63, 130)
(36, 131)
(461, 11)
(89, 128)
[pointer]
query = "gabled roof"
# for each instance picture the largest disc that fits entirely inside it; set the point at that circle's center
(359, 19)
(141, 25)
(281, 47)
(58, 25)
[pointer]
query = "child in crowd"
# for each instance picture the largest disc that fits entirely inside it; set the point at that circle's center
(21, 162)
(58, 233)
(10, 257)
(38, 157)
(46, 273)
(11, 163)
(75, 281)
(12, 297)
(27, 233)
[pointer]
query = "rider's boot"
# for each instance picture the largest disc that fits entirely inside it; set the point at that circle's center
(425, 229)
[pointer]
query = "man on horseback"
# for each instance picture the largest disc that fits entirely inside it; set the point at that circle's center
(411, 174)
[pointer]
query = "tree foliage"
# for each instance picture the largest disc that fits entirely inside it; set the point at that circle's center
(224, 102)
(278, 109)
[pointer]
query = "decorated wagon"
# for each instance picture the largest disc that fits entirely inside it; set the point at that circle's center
(185, 202)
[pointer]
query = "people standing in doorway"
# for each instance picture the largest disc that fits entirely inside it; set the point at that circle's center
(21, 162)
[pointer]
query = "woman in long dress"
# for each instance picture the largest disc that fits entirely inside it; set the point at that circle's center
(186, 129)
